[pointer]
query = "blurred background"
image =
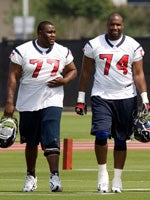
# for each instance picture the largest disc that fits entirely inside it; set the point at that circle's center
(73, 19)
(76, 21)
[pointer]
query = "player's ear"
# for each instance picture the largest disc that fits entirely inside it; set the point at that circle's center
(39, 33)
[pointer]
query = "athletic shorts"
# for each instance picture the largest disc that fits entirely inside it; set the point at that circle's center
(41, 126)
(114, 116)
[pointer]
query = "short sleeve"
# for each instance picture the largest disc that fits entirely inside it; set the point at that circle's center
(138, 54)
(88, 50)
(16, 57)
(69, 57)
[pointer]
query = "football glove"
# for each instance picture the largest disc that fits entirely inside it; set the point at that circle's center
(145, 113)
(81, 109)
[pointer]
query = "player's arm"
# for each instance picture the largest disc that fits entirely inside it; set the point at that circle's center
(14, 75)
(86, 72)
(139, 78)
(140, 82)
(70, 73)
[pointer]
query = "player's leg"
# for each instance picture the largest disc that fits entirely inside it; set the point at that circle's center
(53, 162)
(29, 124)
(120, 153)
(123, 131)
(31, 153)
(101, 156)
(101, 122)
(31, 157)
(50, 140)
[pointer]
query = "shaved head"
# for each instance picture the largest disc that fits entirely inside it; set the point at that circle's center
(115, 26)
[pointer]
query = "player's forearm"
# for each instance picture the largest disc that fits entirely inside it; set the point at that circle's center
(84, 81)
(10, 100)
(11, 90)
(140, 83)
(70, 76)
(142, 88)
(86, 73)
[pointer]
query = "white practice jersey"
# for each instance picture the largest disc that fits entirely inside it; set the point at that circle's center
(113, 78)
(37, 69)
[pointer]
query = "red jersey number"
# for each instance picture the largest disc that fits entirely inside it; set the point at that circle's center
(122, 64)
(53, 63)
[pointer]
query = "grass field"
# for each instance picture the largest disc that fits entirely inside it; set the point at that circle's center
(81, 181)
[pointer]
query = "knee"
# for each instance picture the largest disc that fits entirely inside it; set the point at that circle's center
(51, 151)
(101, 137)
(120, 145)
(52, 148)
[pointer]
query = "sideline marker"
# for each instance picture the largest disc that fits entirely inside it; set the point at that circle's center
(67, 153)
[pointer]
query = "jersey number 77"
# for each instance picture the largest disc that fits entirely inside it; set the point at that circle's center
(54, 64)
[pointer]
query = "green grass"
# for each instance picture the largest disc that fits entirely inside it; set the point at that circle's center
(76, 126)
(80, 182)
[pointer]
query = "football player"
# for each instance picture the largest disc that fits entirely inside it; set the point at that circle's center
(115, 60)
(41, 68)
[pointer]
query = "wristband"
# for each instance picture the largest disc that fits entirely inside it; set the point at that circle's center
(144, 97)
(81, 97)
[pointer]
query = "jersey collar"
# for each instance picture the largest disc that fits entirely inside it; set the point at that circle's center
(110, 44)
(39, 50)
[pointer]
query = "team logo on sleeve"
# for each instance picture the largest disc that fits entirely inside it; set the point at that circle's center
(12, 54)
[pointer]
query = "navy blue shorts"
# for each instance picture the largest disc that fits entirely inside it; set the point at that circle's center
(41, 126)
(114, 116)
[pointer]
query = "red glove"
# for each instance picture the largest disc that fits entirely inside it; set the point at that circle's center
(81, 109)
(145, 112)
(145, 108)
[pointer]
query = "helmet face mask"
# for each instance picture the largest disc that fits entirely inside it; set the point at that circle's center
(141, 130)
(8, 131)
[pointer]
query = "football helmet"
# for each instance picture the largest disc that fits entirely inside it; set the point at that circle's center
(8, 131)
(141, 129)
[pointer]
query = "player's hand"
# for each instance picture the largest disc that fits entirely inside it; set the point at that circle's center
(146, 108)
(145, 112)
(9, 109)
(59, 81)
(81, 109)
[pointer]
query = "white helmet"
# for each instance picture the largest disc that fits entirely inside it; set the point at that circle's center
(8, 131)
